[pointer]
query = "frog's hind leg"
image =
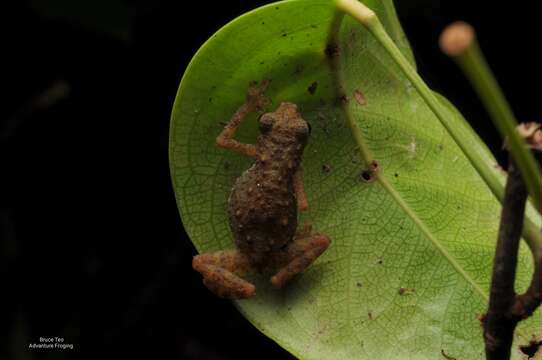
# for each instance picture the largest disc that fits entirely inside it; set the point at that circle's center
(300, 254)
(220, 273)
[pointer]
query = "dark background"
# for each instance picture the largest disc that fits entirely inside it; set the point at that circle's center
(92, 247)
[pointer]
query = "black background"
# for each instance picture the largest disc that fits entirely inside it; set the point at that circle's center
(92, 247)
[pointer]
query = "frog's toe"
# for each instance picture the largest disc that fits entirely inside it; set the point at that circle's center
(229, 286)
(220, 273)
(223, 282)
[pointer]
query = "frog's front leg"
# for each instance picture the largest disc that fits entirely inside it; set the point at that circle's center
(220, 272)
(300, 254)
(255, 101)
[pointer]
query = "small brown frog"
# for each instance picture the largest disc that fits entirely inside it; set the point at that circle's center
(263, 204)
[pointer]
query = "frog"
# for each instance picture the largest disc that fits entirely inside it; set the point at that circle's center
(263, 205)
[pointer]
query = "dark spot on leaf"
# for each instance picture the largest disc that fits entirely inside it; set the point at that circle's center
(284, 35)
(370, 315)
(210, 99)
(379, 262)
(312, 88)
(367, 176)
(332, 50)
(263, 22)
(276, 7)
(352, 36)
(531, 349)
(406, 291)
(396, 175)
(326, 169)
(314, 26)
(358, 284)
(446, 355)
(360, 98)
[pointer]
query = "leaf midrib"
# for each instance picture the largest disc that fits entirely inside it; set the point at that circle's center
(429, 235)
(366, 155)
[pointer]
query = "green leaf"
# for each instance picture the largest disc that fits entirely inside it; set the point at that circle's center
(410, 263)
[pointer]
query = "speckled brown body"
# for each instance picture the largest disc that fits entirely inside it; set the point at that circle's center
(262, 207)
(263, 204)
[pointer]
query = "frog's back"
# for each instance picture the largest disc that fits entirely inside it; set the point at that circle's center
(262, 211)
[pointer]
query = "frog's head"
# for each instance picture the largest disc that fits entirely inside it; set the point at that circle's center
(285, 122)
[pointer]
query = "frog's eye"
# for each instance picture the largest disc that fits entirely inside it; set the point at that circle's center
(266, 123)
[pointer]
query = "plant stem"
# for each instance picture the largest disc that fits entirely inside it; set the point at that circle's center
(369, 19)
(373, 24)
(505, 308)
(459, 41)
(471, 60)
(499, 325)
(528, 302)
